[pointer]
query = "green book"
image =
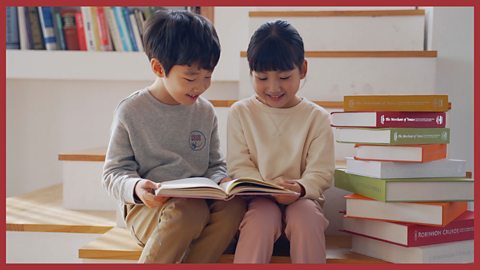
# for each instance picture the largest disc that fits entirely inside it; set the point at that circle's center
(393, 136)
(406, 189)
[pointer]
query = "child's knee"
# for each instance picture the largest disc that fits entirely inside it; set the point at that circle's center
(263, 215)
(186, 213)
(305, 212)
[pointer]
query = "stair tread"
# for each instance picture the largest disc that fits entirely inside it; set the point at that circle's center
(42, 211)
(117, 244)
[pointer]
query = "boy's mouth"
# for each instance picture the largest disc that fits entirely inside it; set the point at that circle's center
(194, 97)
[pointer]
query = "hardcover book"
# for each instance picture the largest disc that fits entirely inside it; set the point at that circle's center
(427, 213)
(453, 252)
(389, 119)
(406, 189)
(410, 234)
(411, 103)
(393, 136)
(402, 153)
(386, 170)
(201, 187)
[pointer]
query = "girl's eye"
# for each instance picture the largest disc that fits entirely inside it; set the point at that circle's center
(285, 78)
(261, 79)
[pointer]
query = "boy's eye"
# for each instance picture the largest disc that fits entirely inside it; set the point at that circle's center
(189, 80)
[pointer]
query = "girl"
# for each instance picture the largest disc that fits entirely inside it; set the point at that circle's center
(279, 136)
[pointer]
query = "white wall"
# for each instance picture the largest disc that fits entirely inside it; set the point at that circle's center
(452, 36)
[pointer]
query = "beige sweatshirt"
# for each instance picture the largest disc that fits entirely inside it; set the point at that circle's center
(294, 143)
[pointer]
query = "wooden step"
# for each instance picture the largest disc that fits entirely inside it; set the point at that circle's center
(42, 211)
(117, 244)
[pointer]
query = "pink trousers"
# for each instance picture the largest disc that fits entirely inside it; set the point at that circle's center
(304, 225)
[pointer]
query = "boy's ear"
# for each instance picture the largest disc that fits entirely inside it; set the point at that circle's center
(303, 69)
(157, 67)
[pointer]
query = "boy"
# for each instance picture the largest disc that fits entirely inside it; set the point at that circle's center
(165, 132)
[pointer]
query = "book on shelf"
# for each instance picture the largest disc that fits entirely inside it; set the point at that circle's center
(411, 234)
(426, 213)
(46, 23)
(393, 136)
(70, 30)
(410, 103)
(201, 187)
(35, 34)
(23, 29)
(389, 119)
(400, 153)
(452, 252)
(406, 189)
(12, 31)
(387, 169)
(58, 28)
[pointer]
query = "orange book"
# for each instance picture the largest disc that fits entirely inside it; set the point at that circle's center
(429, 213)
(401, 153)
(404, 103)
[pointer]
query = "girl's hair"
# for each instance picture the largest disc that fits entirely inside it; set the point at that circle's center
(178, 37)
(275, 45)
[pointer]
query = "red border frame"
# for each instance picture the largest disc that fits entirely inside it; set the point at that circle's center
(240, 3)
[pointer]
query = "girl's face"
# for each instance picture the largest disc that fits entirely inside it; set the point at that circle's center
(278, 89)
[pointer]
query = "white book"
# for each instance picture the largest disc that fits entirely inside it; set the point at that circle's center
(387, 169)
(136, 33)
(205, 188)
(88, 28)
(453, 252)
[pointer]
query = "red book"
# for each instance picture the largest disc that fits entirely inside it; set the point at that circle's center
(384, 119)
(82, 40)
(410, 234)
(105, 42)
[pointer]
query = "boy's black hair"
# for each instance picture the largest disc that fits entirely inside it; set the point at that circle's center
(275, 45)
(179, 37)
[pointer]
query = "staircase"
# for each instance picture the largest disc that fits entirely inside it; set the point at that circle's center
(349, 50)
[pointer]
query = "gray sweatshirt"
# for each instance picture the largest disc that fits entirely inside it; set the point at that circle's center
(160, 142)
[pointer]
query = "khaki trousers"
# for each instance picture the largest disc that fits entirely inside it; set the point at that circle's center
(185, 230)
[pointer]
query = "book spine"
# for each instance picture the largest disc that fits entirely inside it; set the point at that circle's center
(411, 119)
(58, 28)
(35, 29)
(46, 22)
(106, 43)
(88, 28)
(113, 29)
(128, 24)
(70, 31)
(12, 34)
(412, 103)
(436, 152)
(22, 29)
(122, 29)
(365, 186)
(82, 40)
(96, 29)
(138, 39)
(419, 136)
(419, 235)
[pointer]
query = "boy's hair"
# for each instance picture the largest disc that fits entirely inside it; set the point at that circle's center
(179, 37)
(275, 45)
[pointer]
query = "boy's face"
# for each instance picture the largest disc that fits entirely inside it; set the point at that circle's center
(278, 89)
(184, 84)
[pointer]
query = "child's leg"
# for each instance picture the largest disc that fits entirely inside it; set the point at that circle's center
(260, 228)
(305, 228)
(167, 232)
(224, 220)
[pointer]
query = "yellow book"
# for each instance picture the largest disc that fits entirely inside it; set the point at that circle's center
(410, 103)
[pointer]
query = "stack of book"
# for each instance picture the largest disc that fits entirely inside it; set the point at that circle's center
(409, 202)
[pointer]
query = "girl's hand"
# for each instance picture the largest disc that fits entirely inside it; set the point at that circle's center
(226, 179)
(145, 190)
(292, 185)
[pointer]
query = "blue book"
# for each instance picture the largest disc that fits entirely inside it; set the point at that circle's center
(131, 35)
(46, 22)
(13, 36)
(122, 29)
(58, 28)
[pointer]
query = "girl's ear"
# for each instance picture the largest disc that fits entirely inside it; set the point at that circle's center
(157, 67)
(303, 69)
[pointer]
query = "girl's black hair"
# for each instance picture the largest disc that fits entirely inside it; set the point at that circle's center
(179, 37)
(277, 46)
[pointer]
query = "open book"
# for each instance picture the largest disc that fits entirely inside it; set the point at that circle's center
(201, 187)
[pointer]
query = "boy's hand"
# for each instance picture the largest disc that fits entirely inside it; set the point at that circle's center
(226, 179)
(145, 190)
(292, 185)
